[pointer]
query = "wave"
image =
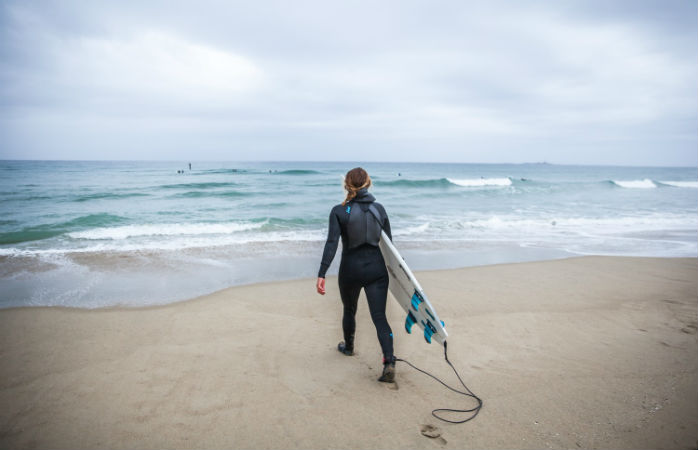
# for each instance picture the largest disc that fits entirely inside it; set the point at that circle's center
(480, 182)
(277, 224)
(448, 182)
(109, 196)
(198, 185)
(219, 171)
(94, 220)
(174, 241)
(29, 234)
(522, 182)
(169, 229)
(440, 182)
(25, 199)
(550, 230)
(566, 225)
(298, 172)
(40, 232)
(682, 184)
(407, 231)
(200, 194)
(169, 236)
(635, 184)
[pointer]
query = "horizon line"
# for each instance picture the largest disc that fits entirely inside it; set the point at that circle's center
(185, 161)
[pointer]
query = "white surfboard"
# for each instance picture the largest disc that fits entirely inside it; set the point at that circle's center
(410, 295)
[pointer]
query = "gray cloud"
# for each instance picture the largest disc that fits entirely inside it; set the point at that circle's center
(574, 82)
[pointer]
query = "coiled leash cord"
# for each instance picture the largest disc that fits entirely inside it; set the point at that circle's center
(468, 393)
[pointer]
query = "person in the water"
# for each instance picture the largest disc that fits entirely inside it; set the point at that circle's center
(362, 264)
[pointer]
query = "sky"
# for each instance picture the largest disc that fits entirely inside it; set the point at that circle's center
(565, 82)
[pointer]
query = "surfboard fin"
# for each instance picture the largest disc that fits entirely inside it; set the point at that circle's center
(409, 321)
(429, 331)
(416, 300)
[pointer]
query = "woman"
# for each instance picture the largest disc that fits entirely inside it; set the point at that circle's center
(359, 220)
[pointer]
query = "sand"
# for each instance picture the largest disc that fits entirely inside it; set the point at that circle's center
(591, 352)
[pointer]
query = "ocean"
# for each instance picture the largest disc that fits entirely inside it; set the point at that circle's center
(97, 234)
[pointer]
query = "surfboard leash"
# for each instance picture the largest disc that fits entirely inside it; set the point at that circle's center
(467, 392)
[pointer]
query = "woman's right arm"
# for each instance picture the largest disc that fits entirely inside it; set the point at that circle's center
(333, 234)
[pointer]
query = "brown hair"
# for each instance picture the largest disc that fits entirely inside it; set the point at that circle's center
(355, 180)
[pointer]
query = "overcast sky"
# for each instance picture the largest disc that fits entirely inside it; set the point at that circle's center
(588, 82)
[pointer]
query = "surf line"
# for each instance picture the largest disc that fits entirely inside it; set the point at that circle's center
(410, 295)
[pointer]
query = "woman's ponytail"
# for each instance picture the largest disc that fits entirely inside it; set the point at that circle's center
(355, 180)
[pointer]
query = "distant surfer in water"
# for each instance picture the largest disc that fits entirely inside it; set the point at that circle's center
(362, 264)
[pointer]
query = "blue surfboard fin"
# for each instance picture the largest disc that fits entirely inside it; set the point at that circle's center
(416, 300)
(429, 331)
(409, 321)
(427, 334)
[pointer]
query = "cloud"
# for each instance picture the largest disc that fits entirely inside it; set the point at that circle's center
(470, 80)
(149, 73)
(155, 63)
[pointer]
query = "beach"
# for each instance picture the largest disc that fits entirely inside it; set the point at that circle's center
(585, 352)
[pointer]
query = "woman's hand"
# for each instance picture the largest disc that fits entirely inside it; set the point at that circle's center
(320, 286)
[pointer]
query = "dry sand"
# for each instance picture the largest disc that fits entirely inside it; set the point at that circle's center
(593, 352)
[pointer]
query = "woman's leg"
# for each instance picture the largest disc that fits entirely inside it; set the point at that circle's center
(377, 294)
(350, 296)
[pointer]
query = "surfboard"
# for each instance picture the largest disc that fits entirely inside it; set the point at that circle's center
(409, 294)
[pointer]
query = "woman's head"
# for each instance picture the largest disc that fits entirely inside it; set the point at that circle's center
(355, 180)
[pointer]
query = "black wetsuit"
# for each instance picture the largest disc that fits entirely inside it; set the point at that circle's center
(362, 265)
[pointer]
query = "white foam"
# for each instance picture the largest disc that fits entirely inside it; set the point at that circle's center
(683, 184)
(636, 184)
(169, 229)
(417, 229)
(544, 226)
(171, 242)
(479, 182)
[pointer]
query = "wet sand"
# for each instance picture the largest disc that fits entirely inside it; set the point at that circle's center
(592, 352)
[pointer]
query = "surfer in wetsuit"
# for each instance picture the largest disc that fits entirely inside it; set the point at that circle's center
(362, 264)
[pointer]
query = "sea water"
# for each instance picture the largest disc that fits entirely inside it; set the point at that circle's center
(93, 234)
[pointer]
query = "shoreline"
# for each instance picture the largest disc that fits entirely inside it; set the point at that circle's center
(139, 281)
(135, 279)
(332, 273)
(578, 352)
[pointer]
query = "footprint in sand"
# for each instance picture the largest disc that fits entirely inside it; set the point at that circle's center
(432, 432)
